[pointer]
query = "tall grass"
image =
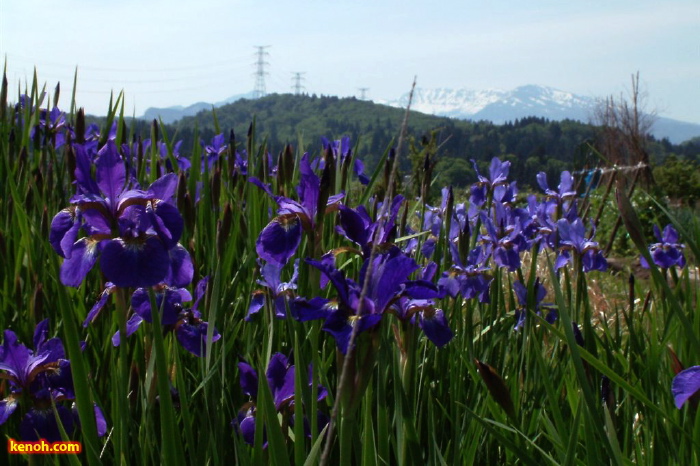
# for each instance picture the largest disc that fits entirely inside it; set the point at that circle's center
(541, 394)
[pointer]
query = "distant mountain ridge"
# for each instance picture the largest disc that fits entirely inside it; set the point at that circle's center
(176, 112)
(501, 106)
(494, 105)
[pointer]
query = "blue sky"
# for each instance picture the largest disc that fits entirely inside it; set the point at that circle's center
(164, 53)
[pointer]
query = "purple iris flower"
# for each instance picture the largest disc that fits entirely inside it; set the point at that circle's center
(668, 252)
(241, 163)
(572, 238)
(432, 222)
(187, 324)
(213, 151)
(357, 225)
(430, 319)
(505, 243)
(468, 279)
(182, 162)
(387, 283)
(565, 191)
(44, 377)
(92, 133)
(279, 240)
(342, 150)
(276, 289)
(521, 294)
(538, 223)
(133, 232)
(280, 379)
(686, 385)
(52, 125)
(497, 180)
(506, 193)
(423, 312)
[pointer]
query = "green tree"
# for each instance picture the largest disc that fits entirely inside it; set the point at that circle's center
(679, 179)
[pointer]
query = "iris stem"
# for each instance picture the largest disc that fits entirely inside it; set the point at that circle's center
(122, 433)
(170, 439)
(347, 427)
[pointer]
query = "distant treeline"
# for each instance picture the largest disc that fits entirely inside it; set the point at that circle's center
(531, 144)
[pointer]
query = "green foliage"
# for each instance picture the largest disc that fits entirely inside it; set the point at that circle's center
(647, 211)
(532, 144)
(679, 178)
(539, 401)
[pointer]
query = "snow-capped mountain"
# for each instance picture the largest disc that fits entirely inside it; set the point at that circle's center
(495, 105)
(501, 106)
(459, 103)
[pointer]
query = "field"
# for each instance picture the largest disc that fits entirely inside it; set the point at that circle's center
(146, 288)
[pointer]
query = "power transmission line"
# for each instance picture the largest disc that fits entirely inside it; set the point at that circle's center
(260, 72)
(363, 92)
(297, 87)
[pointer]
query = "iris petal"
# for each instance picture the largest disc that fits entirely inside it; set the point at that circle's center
(167, 222)
(64, 231)
(257, 302)
(685, 385)
(435, 327)
(83, 256)
(136, 263)
(181, 269)
(164, 188)
(111, 173)
(280, 377)
(41, 424)
(248, 379)
(97, 308)
(131, 326)
(280, 239)
(7, 407)
(193, 337)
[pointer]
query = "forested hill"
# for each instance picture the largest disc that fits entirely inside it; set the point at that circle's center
(532, 144)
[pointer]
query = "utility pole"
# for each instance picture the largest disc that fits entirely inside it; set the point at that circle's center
(363, 92)
(298, 77)
(260, 72)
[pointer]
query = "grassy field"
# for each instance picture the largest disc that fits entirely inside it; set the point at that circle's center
(390, 331)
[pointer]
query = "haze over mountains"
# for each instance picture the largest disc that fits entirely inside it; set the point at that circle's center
(174, 113)
(495, 105)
